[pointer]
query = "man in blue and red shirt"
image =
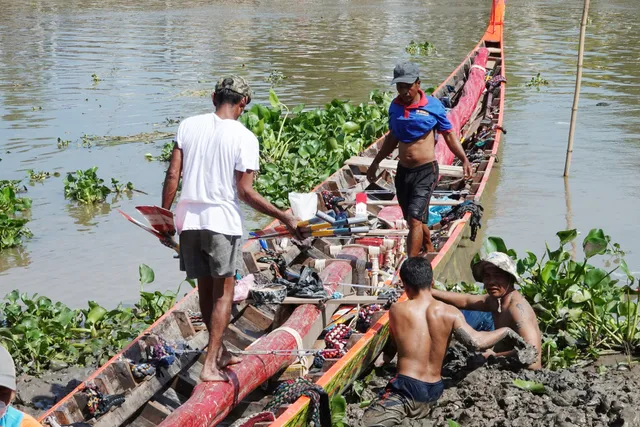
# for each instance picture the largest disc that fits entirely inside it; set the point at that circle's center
(414, 119)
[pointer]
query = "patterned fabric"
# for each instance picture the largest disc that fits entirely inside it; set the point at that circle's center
(289, 391)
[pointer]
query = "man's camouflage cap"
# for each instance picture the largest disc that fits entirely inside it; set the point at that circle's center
(236, 84)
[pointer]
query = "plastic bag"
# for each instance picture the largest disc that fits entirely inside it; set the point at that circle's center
(303, 205)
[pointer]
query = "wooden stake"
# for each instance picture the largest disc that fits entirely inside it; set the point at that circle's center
(576, 95)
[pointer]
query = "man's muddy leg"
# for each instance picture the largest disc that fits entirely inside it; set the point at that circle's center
(388, 411)
(216, 310)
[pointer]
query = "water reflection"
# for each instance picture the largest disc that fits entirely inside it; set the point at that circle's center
(145, 55)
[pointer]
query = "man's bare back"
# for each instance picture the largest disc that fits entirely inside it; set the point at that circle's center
(421, 329)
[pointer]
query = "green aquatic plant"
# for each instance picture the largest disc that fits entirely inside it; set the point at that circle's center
(338, 406)
(532, 386)
(165, 154)
(121, 188)
(424, 49)
(275, 78)
(38, 176)
(95, 78)
(63, 143)
(301, 148)
(85, 187)
(537, 81)
(582, 309)
(13, 225)
(41, 334)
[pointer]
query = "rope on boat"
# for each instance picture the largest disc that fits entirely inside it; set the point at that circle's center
(289, 391)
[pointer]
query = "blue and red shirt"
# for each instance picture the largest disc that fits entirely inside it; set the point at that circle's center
(409, 123)
(15, 418)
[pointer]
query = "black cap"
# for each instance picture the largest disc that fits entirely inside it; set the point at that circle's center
(405, 72)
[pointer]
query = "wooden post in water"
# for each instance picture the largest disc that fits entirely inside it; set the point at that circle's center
(576, 95)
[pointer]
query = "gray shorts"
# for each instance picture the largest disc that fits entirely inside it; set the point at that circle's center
(205, 253)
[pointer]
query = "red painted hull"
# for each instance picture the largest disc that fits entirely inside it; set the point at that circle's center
(211, 402)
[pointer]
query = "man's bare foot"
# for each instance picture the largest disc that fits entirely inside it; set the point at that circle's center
(227, 359)
(212, 375)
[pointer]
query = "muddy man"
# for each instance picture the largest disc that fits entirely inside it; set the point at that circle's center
(501, 306)
(421, 328)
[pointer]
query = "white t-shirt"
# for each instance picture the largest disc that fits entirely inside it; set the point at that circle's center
(212, 150)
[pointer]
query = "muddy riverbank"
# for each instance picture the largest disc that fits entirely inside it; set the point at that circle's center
(487, 396)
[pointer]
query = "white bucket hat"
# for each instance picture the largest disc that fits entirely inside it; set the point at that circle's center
(498, 259)
(7, 370)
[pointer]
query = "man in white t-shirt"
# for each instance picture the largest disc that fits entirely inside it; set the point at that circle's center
(216, 157)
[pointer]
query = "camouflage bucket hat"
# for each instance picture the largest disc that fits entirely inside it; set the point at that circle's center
(236, 84)
(498, 259)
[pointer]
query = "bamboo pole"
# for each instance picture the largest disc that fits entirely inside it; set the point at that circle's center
(576, 95)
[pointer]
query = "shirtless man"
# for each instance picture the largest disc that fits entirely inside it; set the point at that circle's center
(502, 303)
(421, 328)
(414, 119)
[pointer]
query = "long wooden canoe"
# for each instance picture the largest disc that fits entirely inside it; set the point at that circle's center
(174, 396)
(363, 353)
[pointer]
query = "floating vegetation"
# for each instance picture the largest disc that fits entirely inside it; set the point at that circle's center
(36, 108)
(37, 176)
(12, 226)
(275, 78)
(170, 122)
(88, 141)
(424, 49)
(95, 78)
(301, 148)
(86, 187)
(40, 333)
(167, 149)
(193, 92)
(537, 81)
(121, 188)
(582, 310)
(63, 143)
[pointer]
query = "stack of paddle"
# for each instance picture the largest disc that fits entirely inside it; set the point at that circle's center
(322, 225)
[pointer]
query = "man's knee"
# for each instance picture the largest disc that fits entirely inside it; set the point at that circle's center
(384, 413)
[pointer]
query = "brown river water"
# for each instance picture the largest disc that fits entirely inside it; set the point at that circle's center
(153, 59)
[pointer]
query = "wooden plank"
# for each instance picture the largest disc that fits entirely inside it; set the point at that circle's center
(137, 397)
(237, 337)
(258, 317)
(445, 170)
(123, 376)
(250, 262)
(155, 412)
(184, 324)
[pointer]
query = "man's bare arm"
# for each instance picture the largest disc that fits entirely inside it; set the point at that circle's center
(462, 301)
(479, 341)
(172, 178)
(526, 325)
(388, 145)
(246, 193)
(456, 148)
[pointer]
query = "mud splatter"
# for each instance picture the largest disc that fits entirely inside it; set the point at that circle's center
(486, 396)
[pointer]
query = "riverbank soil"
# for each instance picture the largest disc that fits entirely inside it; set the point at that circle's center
(487, 396)
(37, 394)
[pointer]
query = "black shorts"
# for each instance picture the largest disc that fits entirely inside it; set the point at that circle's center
(414, 187)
